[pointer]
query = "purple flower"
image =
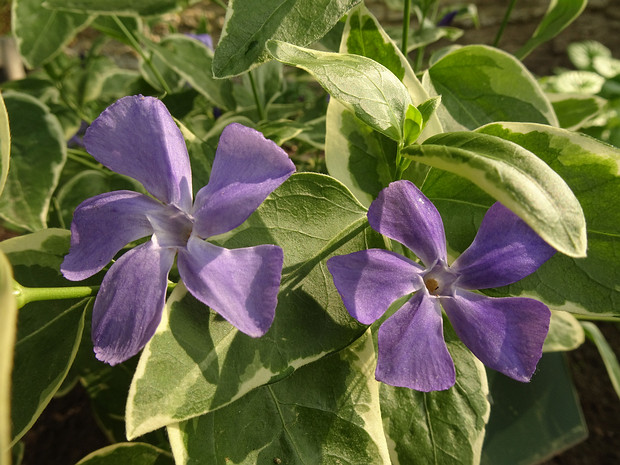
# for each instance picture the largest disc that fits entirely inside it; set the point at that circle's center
(506, 334)
(206, 39)
(137, 137)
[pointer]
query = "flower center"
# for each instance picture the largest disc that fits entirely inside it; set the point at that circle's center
(171, 227)
(439, 279)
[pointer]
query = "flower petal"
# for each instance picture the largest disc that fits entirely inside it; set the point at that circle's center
(506, 334)
(412, 351)
(102, 226)
(504, 251)
(403, 213)
(129, 304)
(137, 137)
(240, 284)
(370, 280)
(246, 169)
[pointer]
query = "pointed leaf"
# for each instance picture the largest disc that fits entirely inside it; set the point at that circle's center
(367, 88)
(198, 362)
(38, 153)
(514, 176)
(480, 85)
(325, 411)
(558, 16)
(250, 24)
(41, 33)
(8, 328)
(590, 168)
(442, 427)
(48, 332)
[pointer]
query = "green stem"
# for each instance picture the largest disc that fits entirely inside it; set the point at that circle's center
(611, 319)
(25, 295)
(259, 107)
(147, 59)
(406, 21)
(500, 32)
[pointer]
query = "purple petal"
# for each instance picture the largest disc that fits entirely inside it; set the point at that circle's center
(246, 169)
(504, 251)
(506, 334)
(130, 302)
(205, 39)
(137, 137)
(412, 351)
(403, 213)
(370, 280)
(102, 226)
(240, 284)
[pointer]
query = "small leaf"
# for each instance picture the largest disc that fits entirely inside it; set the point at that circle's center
(514, 176)
(559, 15)
(365, 87)
(41, 33)
(413, 125)
(250, 24)
(607, 354)
(565, 333)
(8, 328)
(428, 108)
(38, 153)
(135, 453)
(326, 412)
(480, 85)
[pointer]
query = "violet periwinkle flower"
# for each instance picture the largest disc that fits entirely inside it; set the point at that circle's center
(506, 334)
(137, 137)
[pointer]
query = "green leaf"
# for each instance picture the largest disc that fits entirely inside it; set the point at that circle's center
(558, 16)
(135, 453)
(413, 125)
(48, 333)
(363, 159)
(441, 427)
(193, 60)
(41, 33)
(576, 110)
(590, 168)
(250, 24)
(326, 412)
(582, 53)
(38, 153)
(5, 144)
(117, 7)
(365, 87)
(480, 85)
(565, 333)
(197, 362)
(607, 354)
(514, 176)
(8, 327)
